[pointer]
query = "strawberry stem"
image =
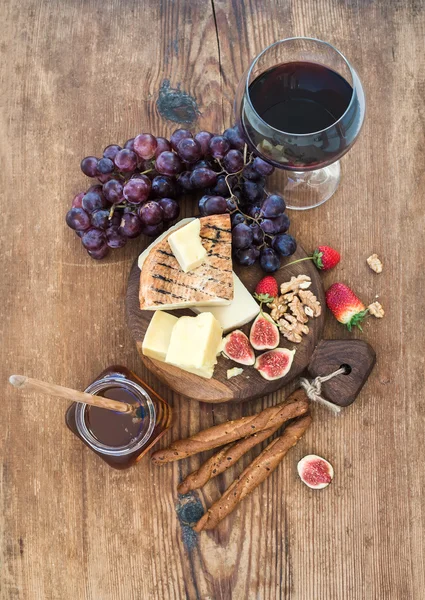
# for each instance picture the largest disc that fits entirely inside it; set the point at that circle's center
(294, 262)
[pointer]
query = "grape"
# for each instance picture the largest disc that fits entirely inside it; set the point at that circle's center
(129, 145)
(89, 166)
(77, 201)
(178, 135)
(93, 201)
(99, 253)
(218, 146)
(126, 160)
(77, 219)
(105, 166)
(269, 260)
(163, 187)
(250, 173)
(80, 233)
(145, 145)
(114, 238)
(153, 230)
(96, 188)
(189, 150)
(257, 234)
(247, 256)
(170, 209)
(111, 151)
(93, 239)
(151, 213)
(273, 206)
(130, 226)
(233, 136)
(168, 163)
(277, 225)
(105, 178)
(213, 205)
(115, 220)
(137, 189)
(237, 218)
(113, 191)
(231, 204)
(252, 191)
(242, 236)
(262, 167)
(100, 219)
(203, 138)
(184, 181)
(163, 145)
(253, 211)
(284, 244)
(233, 161)
(220, 188)
(203, 178)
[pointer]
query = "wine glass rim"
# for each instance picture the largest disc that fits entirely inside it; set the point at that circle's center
(310, 39)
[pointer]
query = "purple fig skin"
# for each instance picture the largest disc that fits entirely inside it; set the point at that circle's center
(236, 346)
(275, 364)
(264, 334)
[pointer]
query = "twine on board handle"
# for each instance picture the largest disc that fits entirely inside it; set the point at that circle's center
(313, 389)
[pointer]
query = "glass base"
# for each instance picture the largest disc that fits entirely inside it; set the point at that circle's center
(306, 189)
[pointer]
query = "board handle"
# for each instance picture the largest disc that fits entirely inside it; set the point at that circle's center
(356, 355)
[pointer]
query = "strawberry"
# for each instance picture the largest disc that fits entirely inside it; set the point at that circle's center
(324, 257)
(345, 305)
(266, 289)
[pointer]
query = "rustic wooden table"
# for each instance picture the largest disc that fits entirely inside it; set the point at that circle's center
(76, 76)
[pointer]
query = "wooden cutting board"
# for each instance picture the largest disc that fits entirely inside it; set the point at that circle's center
(250, 384)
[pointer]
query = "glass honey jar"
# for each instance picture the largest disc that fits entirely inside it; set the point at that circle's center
(120, 439)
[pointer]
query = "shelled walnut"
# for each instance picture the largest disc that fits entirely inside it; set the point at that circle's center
(376, 310)
(293, 308)
(375, 263)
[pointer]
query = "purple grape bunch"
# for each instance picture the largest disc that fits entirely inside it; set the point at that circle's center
(138, 186)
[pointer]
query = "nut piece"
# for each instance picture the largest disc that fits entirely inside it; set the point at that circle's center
(376, 310)
(278, 308)
(292, 329)
(309, 300)
(298, 310)
(375, 263)
(295, 284)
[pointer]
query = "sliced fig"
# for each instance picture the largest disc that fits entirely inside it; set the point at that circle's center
(275, 363)
(236, 346)
(315, 471)
(264, 334)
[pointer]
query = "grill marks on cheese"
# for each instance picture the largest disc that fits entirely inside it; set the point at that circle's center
(162, 281)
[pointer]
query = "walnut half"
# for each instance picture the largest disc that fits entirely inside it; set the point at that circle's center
(292, 329)
(376, 310)
(310, 301)
(375, 263)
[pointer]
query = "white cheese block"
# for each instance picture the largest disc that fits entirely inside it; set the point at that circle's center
(194, 344)
(240, 311)
(158, 335)
(144, 254)
(187, 247)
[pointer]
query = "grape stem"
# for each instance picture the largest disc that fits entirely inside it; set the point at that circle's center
(111, 212)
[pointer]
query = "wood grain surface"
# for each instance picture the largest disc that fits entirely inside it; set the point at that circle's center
(78, 75)
(250, 384)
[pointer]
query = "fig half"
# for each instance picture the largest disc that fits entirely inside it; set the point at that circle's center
(275, 363)
(264, 334)
(315, 471)
(236, 346)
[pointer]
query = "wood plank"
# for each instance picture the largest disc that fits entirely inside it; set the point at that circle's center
(78, 75)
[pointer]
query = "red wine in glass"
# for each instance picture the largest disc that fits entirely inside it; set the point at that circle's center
(300, 106)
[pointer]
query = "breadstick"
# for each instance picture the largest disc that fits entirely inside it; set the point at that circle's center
(225, 458)
(254, 474)
(294, 406)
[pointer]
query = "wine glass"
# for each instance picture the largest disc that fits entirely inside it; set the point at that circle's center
(300, 106)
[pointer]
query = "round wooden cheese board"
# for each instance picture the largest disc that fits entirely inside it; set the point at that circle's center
(250, 384)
